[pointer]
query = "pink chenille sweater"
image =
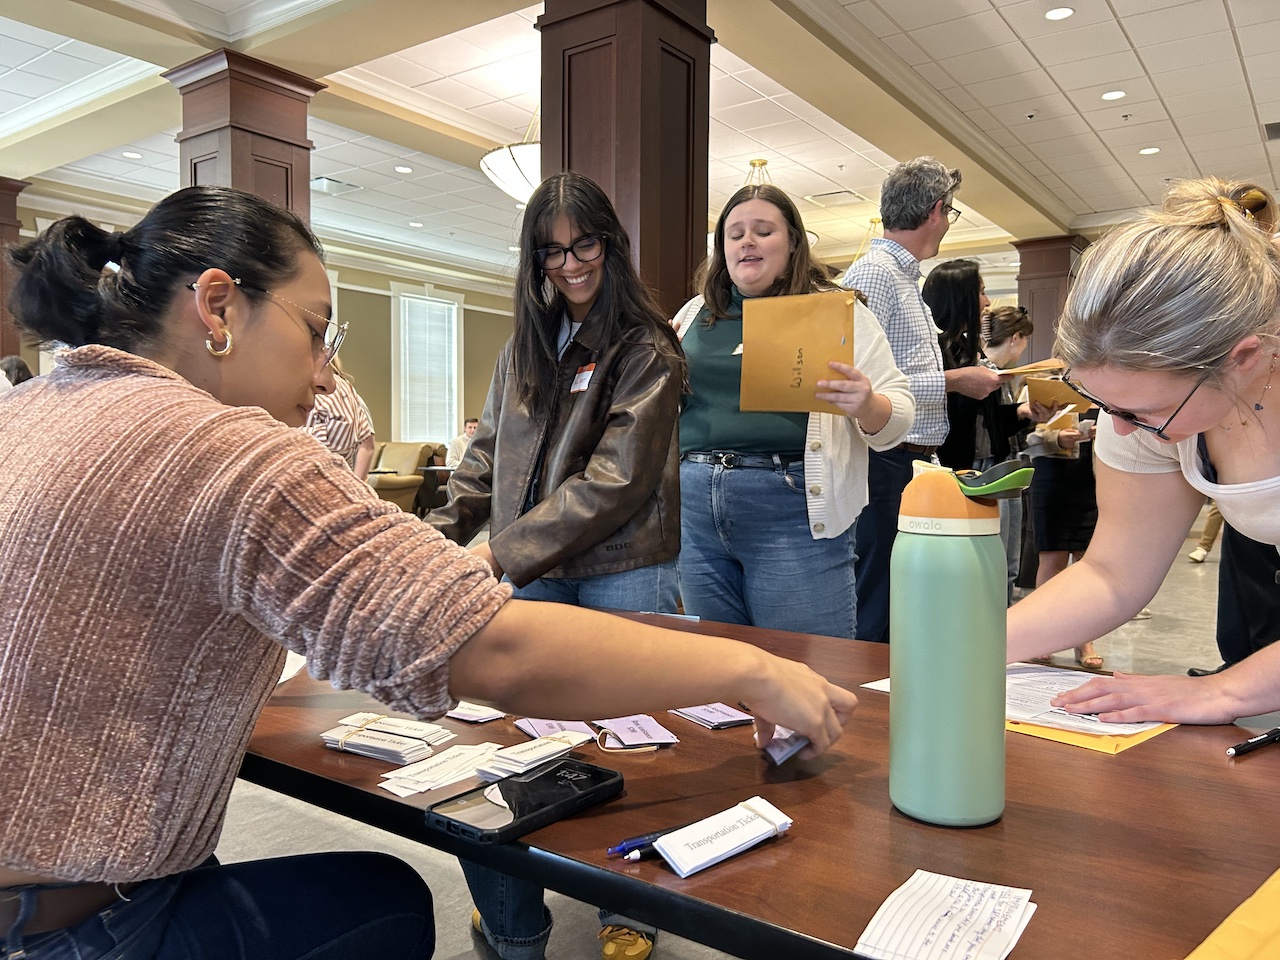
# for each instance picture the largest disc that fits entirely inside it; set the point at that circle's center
(156, 550)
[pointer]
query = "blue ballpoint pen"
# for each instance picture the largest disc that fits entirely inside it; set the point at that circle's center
(634, 843)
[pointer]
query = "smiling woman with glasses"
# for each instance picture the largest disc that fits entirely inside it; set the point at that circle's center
(1172, 329)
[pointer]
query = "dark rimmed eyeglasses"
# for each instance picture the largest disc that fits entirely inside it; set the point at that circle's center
(330, 340)
(1132, 418)
(584, 249)
(952, 213)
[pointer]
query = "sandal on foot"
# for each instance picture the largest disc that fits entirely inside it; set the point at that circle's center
(1090, 661)
(623, 943)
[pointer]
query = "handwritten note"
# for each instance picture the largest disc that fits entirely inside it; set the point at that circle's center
(936, 917)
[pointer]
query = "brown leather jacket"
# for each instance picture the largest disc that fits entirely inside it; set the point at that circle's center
(608, 496)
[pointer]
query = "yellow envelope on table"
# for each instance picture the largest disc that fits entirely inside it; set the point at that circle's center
(1103, 743)
(1052, 392)
(1252, 932)
(786, 343)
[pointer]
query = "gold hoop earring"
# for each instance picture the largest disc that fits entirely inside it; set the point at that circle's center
(218, 351)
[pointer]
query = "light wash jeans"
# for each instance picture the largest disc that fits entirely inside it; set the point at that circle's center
(327, 906)
(746, 554)
(513, 916)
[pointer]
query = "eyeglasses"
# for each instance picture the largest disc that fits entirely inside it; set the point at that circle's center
(1130, 418)
(330, 340)
(585, 249)
(952, 213)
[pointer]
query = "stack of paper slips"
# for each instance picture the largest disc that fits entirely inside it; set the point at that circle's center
(784, 745)
(525, 756)
(931, 911)
(393, 739)
(549, 728)
(716, 716)
(635, 731)
(474, 713)
(448, 766)
(720, 837)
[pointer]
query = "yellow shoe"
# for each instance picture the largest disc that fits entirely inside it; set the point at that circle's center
(475, 921)
(623, 943)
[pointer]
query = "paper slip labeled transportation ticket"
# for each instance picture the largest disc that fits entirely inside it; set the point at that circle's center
(722, 836)
(524, 756)
(394, 739)
(448, 766)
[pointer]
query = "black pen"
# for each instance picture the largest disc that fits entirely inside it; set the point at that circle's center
(1253, 743)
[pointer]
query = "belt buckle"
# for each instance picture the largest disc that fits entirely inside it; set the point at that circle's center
(730, 460)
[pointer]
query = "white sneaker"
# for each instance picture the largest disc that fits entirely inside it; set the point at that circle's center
(1143, 614)
(1197, 555)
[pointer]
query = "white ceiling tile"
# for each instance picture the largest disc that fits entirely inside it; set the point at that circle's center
(11, 101)
(960, 98)
(982, 120)
(506, 78)
(1027, 19)
(728, 92)
(763, 85)
(979, 31)
(1239, 117)
(454, 93)
(403, 71)
(934, 75)
(797, 107)
(1132, 114)
(1022, 86)
(1112, 68)
(727, 61)
(61, 67)
(28, 85)
(1245, 13)
(1202, 76)
(871, 17)
(786, 134)
(1037, 131)
(1261, 69)
(731, 145)
(1188, 20)
(352, 154)
(1233, 162)
(1072, 163)
(448, 55)
(1127, 8)
(1137, 90)
(913, 15)
(1044, 108)
(1021, 153)
(1207, 101)
(1260, 39)
(86, 51)
(758, 113)
(1088, 42)
(1003, 61)
(1140, 134)
(1069, 145)
(25, 33)
(505, 114)
(1209, 48)
(15, 52)
(820, 152)
(906, 48)
(1036, 168)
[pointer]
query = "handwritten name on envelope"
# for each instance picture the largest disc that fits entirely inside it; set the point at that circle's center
(786, 343)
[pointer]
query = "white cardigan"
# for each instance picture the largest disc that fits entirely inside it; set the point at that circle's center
(835, 447)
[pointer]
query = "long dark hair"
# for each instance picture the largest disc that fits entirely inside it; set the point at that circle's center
(802, 274)
(81, 284)
(624, 309)
(952, 290)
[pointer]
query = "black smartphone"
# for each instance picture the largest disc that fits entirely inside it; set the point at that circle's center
(522, 803)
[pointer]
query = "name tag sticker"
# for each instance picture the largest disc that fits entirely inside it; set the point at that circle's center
(582, 378)
(737, 351)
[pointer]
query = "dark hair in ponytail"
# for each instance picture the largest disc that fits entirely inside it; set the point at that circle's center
(80, 284)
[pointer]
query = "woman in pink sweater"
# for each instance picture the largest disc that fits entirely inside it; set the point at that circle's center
(164, 537)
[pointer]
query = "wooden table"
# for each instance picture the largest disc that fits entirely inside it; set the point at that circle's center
(1136, 855)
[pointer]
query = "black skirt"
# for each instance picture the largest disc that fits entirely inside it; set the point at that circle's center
(1064, 502)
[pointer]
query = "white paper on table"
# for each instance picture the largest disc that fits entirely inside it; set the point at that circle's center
(293, 664)
(638, 730)
(1028, 690)
(721, 836)
(932, 917)
(549, 728)
(448, 766)
(474, 712)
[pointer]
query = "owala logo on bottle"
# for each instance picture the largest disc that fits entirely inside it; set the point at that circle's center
(924, 525)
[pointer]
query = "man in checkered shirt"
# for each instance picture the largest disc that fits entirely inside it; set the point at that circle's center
(916, 211)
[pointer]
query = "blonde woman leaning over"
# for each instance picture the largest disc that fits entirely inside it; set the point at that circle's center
(1171, 329)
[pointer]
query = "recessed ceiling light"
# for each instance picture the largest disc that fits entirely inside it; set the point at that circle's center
(131, 155)
(1113, 95)
(1059, 13)
(1147, 151)
(415, 223)
(401, 168)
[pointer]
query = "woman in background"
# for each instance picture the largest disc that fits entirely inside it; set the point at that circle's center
(769, 500)
(574, 463)
(340, 420)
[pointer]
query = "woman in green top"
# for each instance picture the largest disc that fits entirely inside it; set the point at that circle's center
(769, 500)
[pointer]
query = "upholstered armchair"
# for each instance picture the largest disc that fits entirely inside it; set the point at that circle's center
(396, 474)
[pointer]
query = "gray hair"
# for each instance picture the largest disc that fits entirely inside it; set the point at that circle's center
(912, 188)
(1177, 289)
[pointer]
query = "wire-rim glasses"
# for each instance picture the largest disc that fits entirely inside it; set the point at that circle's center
(1131, 418)
(585, 249)
(334, 332)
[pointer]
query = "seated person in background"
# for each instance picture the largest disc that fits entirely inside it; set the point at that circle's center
(340, 420)
(15, 370)
(458, 445)
(1172, 329)
(149, 613)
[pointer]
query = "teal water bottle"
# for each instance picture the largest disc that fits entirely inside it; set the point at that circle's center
(947, 655)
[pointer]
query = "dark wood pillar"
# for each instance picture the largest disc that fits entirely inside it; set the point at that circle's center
(10, 342)
(244, 125)
(625, 101)
(1048, 265)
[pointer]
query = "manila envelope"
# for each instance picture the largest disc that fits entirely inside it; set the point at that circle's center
(1051, 392)
(786, 343)
(1052, 365)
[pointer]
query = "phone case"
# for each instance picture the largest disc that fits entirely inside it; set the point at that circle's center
(550, 792)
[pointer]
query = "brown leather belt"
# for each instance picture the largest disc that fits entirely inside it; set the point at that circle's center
(60, 907)
(917, 448)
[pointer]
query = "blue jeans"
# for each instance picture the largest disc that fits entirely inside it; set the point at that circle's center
(746, 554)
(328, 906)
(888, 473)
(513, 916)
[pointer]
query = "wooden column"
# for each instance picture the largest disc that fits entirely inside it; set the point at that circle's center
(10, 342)
(1048, 266)
(244, 125)
(625, 101)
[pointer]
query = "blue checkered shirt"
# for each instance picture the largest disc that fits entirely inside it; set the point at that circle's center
(889, 276)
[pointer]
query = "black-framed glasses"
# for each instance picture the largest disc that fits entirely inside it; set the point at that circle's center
(951, 213)
(333, 332)
(584, 249)
(1131, 418)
